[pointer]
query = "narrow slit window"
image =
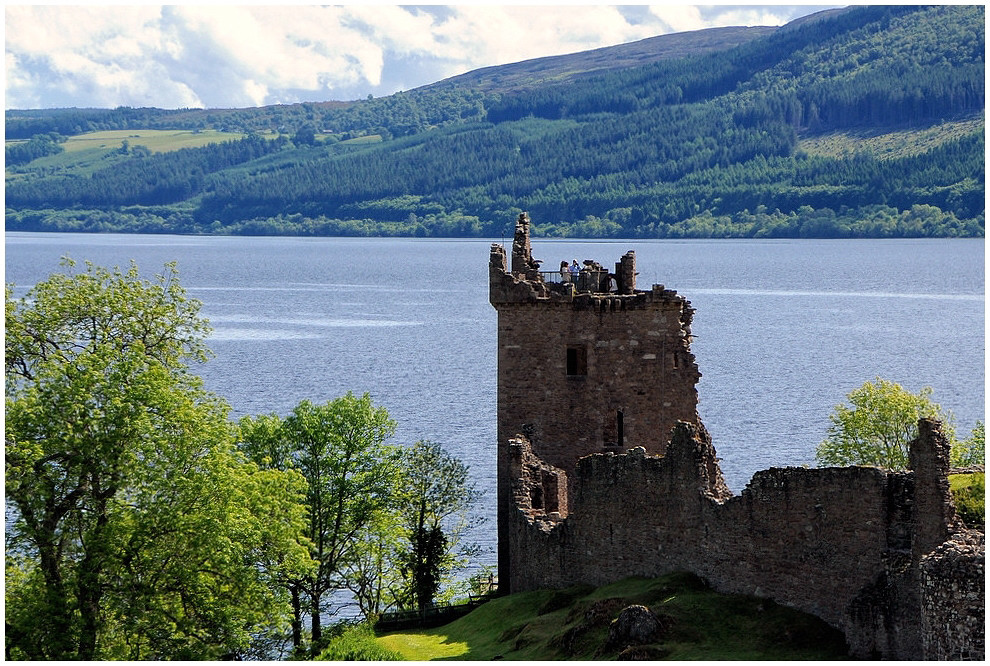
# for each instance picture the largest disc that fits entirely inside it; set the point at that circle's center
(613, 434)
(577, 361)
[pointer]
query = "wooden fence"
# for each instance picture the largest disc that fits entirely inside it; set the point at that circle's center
(432, 616)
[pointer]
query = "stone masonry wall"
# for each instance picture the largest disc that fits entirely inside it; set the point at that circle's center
(953, 615)
(568, 416)
(834, 542)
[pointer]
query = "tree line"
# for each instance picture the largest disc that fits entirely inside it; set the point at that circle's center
(37, 146)
(144, 524)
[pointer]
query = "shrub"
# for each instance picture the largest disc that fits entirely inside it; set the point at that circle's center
(357, 643)
(968, 491)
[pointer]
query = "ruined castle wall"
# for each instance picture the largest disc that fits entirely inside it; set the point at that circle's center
(809, 538)
(834, 542)
(647, 532)
(953, 616)
(605, 472)
(581, 372)
(535, 523)
(564, 380)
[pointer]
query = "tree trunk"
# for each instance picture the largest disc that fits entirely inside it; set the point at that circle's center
(59, 616)
(317, 629)
(90, 593)
(296, 615)
(89, 589)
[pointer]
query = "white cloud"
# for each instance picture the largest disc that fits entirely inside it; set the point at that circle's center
(496, 35)
(752, 16)
(226, 55)
(679, 18)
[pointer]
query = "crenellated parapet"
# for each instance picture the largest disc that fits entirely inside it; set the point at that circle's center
(589, 286)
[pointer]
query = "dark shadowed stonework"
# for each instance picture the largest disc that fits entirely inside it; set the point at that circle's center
(605, 471)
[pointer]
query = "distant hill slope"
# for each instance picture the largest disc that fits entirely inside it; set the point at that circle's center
(556, 69)
(860, 122)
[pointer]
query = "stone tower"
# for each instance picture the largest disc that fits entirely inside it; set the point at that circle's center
(586, 364)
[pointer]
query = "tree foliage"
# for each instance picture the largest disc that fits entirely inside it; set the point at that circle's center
(437, 495)
(969, 495)
(878, 425)
(340, 450)
(385, 523)
(138, 532)
(143, 524)
(972, 450)
(37, 146)
(350, 473)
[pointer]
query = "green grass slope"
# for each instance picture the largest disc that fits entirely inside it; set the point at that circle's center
(573, 624)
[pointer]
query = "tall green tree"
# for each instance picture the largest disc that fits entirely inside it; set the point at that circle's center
(137, 530)
(351, 478)
(878, 425)
(437, 496)
(264, 441)
(374, 576)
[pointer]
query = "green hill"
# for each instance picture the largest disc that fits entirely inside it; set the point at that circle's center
(694, 623)
(862, 122)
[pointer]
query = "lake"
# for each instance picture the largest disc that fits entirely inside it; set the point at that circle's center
(784, 329)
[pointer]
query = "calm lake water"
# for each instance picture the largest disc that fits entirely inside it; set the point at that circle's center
(783, 329)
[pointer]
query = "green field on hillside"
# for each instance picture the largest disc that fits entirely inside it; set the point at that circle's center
(85, 153)
(157, 141)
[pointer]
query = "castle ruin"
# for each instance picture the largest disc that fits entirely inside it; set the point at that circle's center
(605, 471)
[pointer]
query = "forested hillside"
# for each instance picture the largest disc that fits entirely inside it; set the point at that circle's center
(723, 142)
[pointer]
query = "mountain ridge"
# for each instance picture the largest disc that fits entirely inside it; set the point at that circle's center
(645, 51)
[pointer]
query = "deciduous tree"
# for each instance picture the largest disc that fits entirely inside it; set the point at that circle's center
(351, 477)
(135, 530)
(437, 495)
(972, 450)
(878, 425)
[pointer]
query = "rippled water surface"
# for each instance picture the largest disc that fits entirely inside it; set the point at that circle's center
(783, 329)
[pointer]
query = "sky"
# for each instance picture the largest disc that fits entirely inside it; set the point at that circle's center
(246, 55)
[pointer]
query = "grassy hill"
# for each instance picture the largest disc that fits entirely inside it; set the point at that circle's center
(862, 122)
(573, 624)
